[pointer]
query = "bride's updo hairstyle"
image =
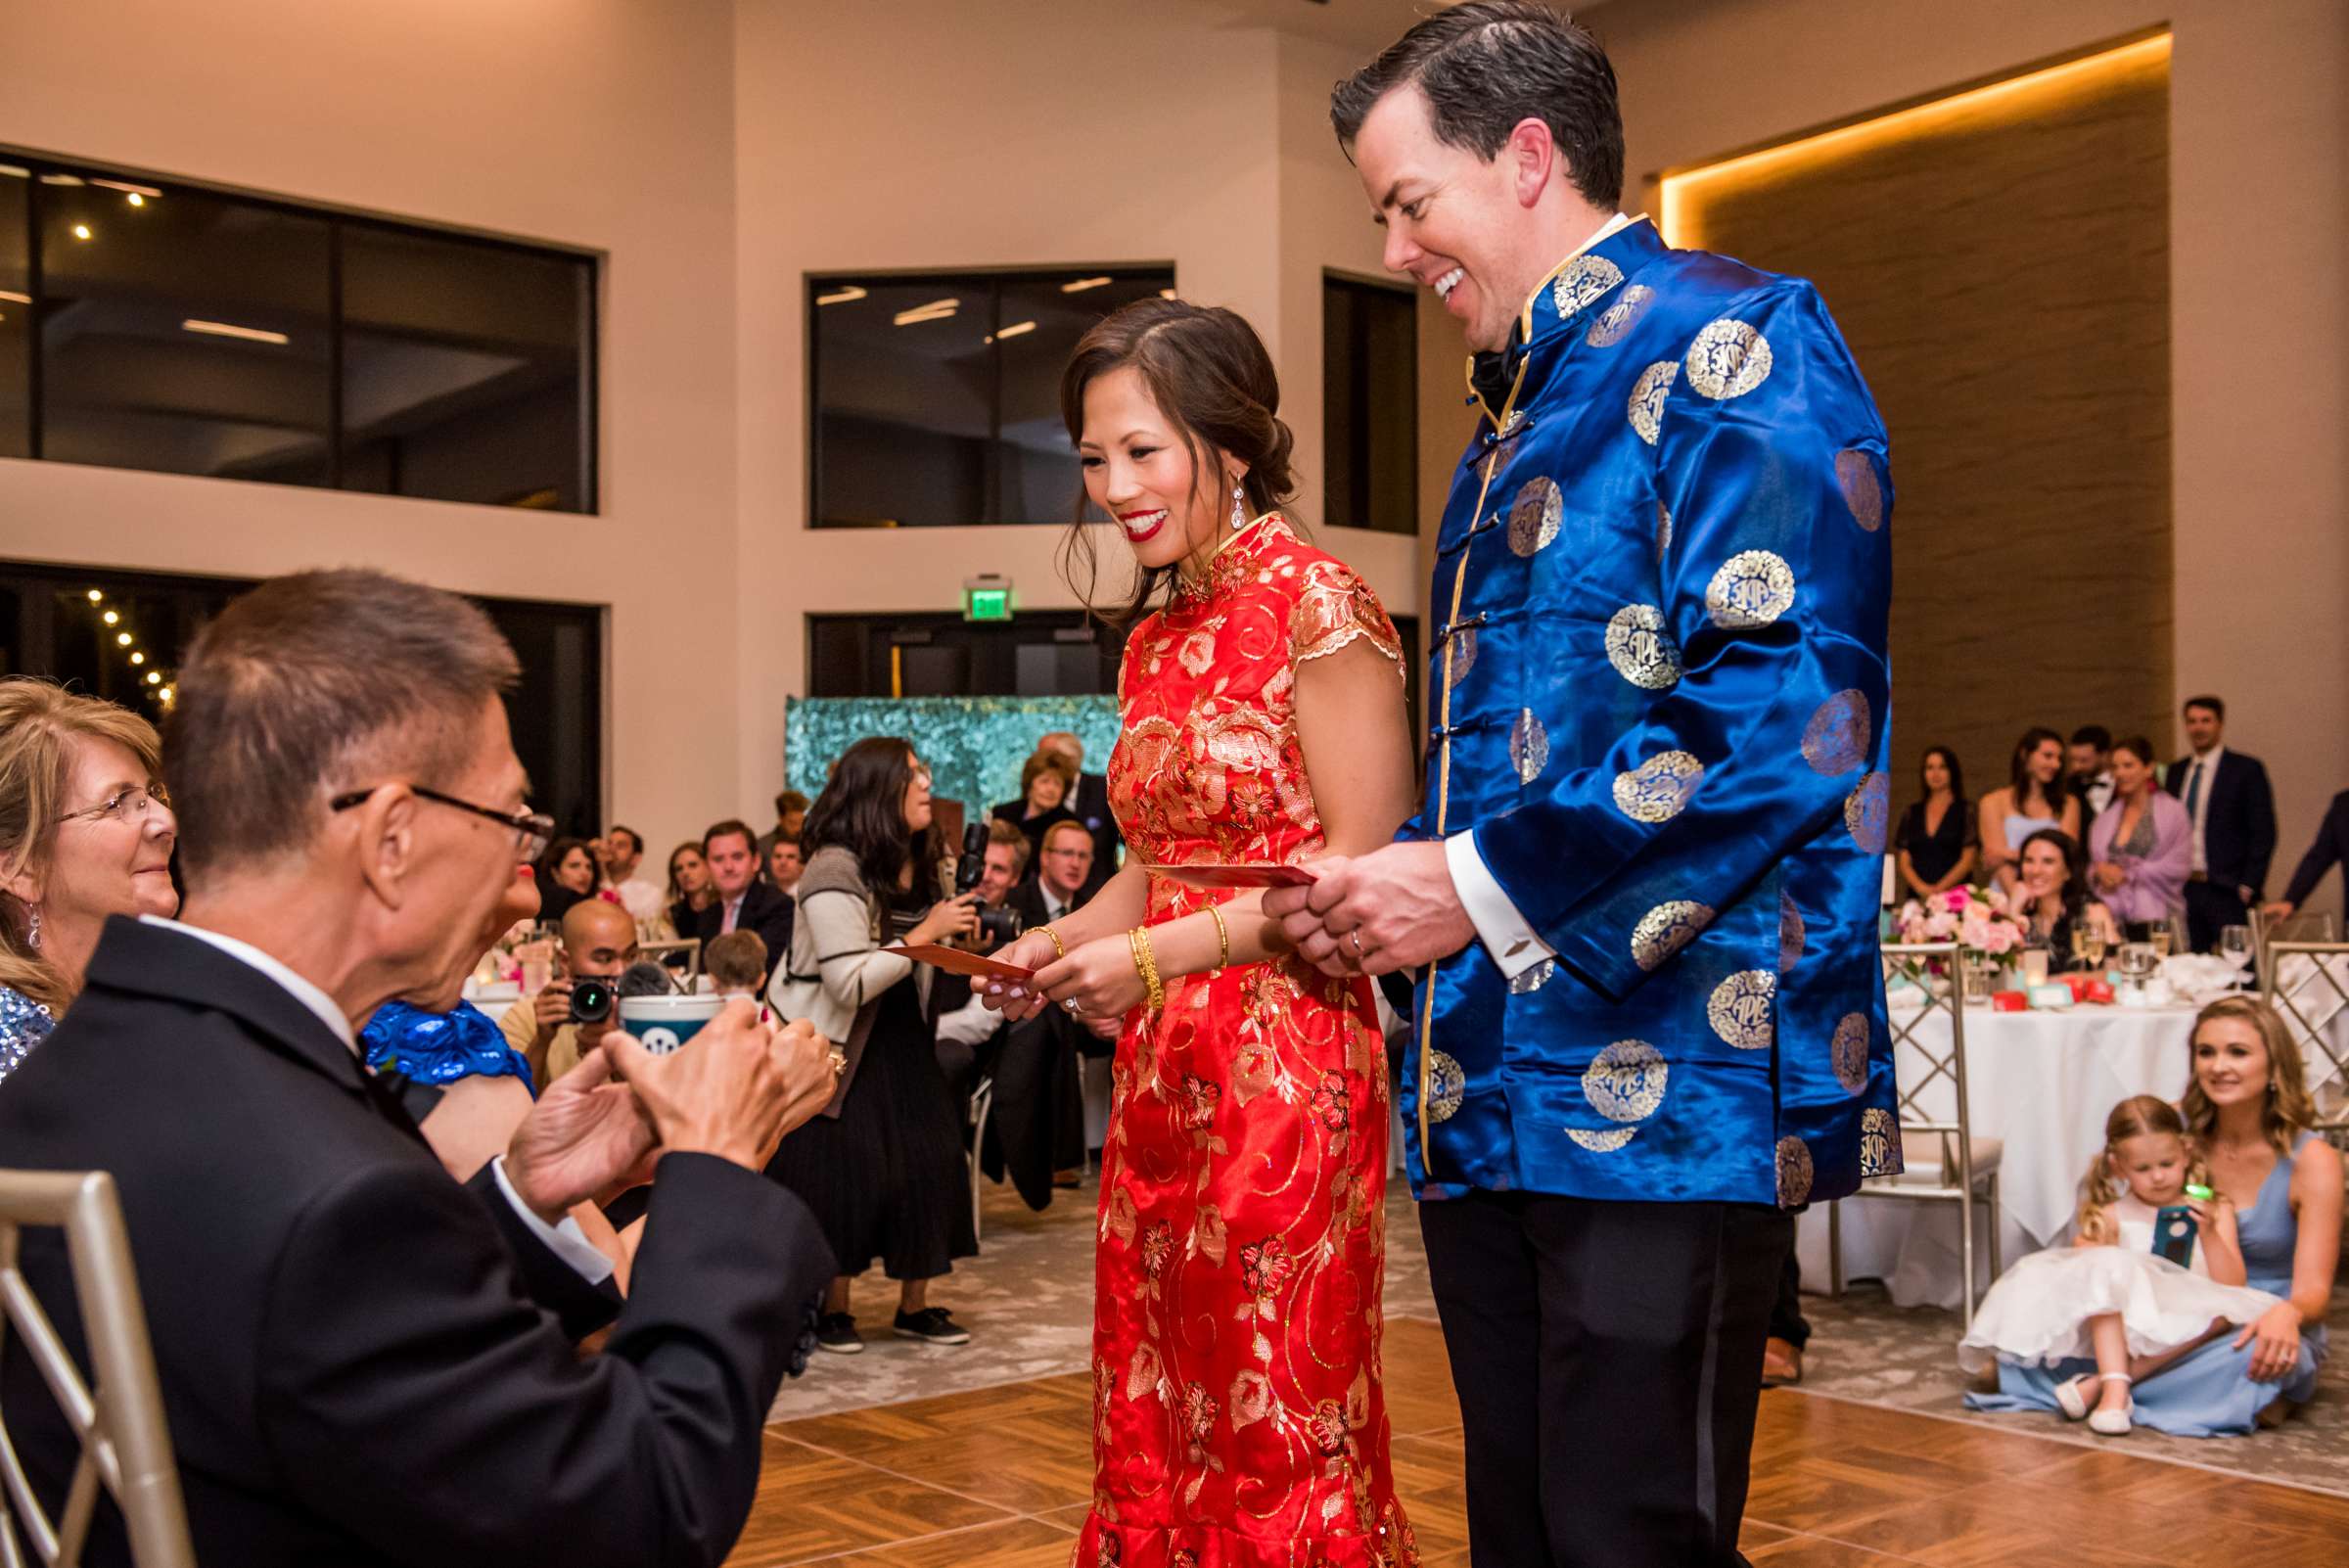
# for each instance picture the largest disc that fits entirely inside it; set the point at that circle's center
(1208, 374)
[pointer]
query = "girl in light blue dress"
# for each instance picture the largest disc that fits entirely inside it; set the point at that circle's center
(2249, 1110)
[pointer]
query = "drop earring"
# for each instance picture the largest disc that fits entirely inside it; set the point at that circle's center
(1239, 507)
(33, 927)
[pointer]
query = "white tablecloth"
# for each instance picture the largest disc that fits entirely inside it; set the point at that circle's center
(2042, 1082)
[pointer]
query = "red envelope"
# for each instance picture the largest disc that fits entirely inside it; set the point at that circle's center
(954, 961)
(2009, 1001)
(1218, 878)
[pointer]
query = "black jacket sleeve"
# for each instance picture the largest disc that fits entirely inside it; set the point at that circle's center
(2259, 828)
(2332, 842)
(427, 1405)
(547, 1278)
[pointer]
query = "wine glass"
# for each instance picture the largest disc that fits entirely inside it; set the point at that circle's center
(2160, 937)
(2090, 940)
(2235, 946)
(2079, 943)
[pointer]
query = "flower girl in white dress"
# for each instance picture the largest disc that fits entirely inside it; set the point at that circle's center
(2110, 1295)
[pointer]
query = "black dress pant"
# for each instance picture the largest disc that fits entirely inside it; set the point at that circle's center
(1787, 1319)
(1608, 1362)
(2211, 908)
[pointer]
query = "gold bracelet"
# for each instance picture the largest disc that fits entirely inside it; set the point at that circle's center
(1058, 947)
(1222, 937)
(1145, 964)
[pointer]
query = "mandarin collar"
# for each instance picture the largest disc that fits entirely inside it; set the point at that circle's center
(1568, 296)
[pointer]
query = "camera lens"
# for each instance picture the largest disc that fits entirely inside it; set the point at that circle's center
(590, 999)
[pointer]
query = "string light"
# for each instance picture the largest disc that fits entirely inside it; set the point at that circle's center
(153, 682)
(95, 597)
(153, 678)
(109, 618)
(138, 658)
(122, 639)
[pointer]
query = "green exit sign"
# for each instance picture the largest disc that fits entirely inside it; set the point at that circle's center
(987, 598)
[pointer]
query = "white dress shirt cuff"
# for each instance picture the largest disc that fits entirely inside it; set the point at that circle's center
(1503, 930)
(566, 1241)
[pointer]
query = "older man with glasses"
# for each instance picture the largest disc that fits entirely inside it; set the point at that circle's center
(360, 1361)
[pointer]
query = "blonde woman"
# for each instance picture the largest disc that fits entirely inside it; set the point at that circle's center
(86, 831)
(2247, 1109)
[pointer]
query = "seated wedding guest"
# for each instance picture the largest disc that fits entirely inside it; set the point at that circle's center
(86, 831)
(622, 854)
(1089, 800)
(1936, 842)
(1045, 782)
(2247, 1114)
(2226, 792)
(2138, 846)
(2032, 800)
(361, 1361)
(883, 1166)
(2087, 770)
(567, 874)
(739, 901)
(689, 889)
(2051, 897)
(783, 864)
(2330, 848)
(791, 810)
(599, 943)
(736, 964)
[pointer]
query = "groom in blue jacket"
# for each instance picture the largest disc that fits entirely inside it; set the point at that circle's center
(1643, 887)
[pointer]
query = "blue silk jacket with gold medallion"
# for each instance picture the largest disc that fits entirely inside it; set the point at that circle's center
(1659, 683)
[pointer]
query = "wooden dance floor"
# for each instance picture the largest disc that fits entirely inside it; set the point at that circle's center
(998, 1478)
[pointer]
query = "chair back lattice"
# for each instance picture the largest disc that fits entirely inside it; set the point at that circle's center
(1938, 1063)
(661, 952)
(2313, 1001)
(117, 1418)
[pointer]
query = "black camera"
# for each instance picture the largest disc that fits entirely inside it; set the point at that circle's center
(996, 926)
(591, 997)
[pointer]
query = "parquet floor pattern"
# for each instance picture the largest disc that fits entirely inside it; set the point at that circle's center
(998, 1478)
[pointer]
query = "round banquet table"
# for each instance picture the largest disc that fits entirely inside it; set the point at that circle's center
(2042, 1083)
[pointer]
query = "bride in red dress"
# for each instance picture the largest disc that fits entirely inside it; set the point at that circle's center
(1238, 1416)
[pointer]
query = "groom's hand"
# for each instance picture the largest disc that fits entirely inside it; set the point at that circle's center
(1393, 908)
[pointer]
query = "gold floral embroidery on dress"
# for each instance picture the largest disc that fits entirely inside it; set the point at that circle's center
(1742, 1009)
(1535, 516)
(1607, 1142)
(1640, 649)
(1645, 409)
(1615, 323)
(1752, 588)
(1585, 282)
(1657, 789)
(1627, 1081)
(1666, 929)
(1335, 609)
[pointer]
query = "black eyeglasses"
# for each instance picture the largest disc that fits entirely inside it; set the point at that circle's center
(535, 829)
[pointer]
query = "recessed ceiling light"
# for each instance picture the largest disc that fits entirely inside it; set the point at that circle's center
(1017, 329)
(229, 328)
(935, 310)
(1083, 284)
(845, 295)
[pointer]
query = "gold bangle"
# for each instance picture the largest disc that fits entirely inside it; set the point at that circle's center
(1222, 937)
(1145, 964)
(1058, 947)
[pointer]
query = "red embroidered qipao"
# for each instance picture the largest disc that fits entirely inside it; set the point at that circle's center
(1238, 1416)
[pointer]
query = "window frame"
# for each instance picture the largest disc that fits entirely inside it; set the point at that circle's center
(338, 220)
(815, 283)
(1406, 297)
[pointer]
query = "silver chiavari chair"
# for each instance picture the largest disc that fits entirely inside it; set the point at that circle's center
(661, 952)
(1945, 1162)
(2313, 1001)
(117, 1417)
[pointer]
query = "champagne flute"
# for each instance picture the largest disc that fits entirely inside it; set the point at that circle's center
(2091, 947)
(2235, 946)
(2079, 943)
(2160, 937)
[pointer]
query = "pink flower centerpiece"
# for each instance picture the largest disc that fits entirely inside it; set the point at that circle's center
(1979, 919)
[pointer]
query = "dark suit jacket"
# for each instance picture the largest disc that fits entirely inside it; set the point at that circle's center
(2331, 849)
(1091, 807)
(2238, 829)
(362, 1361)
(765, 911)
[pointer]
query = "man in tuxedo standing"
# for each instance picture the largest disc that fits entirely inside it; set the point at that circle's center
(1040, 1083)
(2234, 812)
(362, 1361)
(744, 902)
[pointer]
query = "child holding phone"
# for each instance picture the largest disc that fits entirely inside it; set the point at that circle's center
(2113, 1295)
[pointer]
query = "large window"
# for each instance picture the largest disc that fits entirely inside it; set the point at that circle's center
(51, 624)
(1371, 405)
(937, 396)
(161, 326)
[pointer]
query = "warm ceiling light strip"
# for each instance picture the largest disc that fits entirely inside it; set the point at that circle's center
(1079, 285)
(229, 328)
(935, 310)
(15, 298)
(845, 295)
(129, 189)
(1900, 123)
(1018, 328)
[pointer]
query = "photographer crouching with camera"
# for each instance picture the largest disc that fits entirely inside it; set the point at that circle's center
(567, 1017)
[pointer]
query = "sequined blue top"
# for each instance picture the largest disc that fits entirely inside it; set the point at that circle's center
(1661, 688)
(441, 1048)
(24, 1024)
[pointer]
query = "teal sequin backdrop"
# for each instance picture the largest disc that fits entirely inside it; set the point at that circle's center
(974, 745)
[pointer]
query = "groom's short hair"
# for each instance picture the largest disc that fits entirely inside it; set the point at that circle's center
(1486, 66)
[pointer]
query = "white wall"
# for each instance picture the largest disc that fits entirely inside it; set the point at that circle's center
(934, 134)
(605, 124)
